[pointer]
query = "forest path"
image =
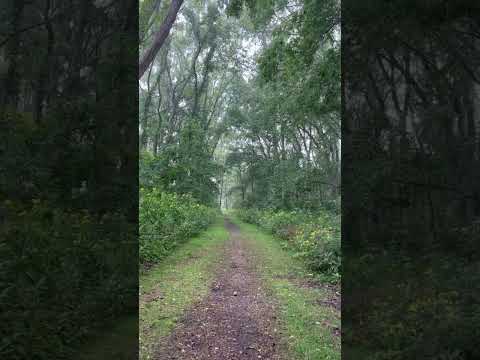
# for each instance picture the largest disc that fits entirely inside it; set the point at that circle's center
(236, 320)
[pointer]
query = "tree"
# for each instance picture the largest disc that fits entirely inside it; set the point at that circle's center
(159, 38)
(288, 116)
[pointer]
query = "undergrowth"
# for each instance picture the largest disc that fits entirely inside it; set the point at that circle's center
(314, 236)
(63, 273)
(167, 220)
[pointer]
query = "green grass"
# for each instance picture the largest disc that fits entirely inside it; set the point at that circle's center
(175, 285)
(307, 326)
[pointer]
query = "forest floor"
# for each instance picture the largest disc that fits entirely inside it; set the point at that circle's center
(238, 296)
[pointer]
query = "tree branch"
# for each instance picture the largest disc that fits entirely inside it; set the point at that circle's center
(148, 57)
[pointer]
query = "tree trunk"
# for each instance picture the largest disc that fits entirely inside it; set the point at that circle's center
(146, 108)
(160, 37)
(44, 77)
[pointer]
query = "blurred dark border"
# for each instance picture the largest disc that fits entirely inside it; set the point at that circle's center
(68, 179)
(410, 179)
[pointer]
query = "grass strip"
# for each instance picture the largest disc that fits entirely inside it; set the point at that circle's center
(308, 326)
(172, 287)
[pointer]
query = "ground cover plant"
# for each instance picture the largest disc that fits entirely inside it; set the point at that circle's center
(313, 237)
(167, 220)
(48, 249)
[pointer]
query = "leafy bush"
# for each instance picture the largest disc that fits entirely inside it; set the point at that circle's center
(166, 220)
(422, 305)
(63, 273)
(315, 237)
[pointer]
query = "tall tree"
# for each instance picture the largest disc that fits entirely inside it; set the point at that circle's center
(159, 38)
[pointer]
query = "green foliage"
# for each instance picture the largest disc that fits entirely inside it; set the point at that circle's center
(68, 171)
(62, 270)
(166, 220)
(149, 170)
(183, 168)
(260, 12)
(417, 308)
(287, 120)
(314, 237)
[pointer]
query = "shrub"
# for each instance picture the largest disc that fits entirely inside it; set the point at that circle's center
(65, 272)
(315, 237)
(167, 220)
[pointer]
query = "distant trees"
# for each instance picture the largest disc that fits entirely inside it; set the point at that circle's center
(62, 71)
(413, 112)
(279, 119)
(68, 172)
(183, 99)
(288, 119)
(411, 178)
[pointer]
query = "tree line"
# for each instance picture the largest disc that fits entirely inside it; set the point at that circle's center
(247, 92)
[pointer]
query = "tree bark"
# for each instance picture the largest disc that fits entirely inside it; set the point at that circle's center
(160, 37)
(45, 74)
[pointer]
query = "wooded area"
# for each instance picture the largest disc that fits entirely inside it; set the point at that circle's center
(236, 142)
(241, 109)
(239, 113)
(68, 173)
(410, 179)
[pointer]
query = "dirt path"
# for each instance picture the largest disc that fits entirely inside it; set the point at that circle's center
(235, 321)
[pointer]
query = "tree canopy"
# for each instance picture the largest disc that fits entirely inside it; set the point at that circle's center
(241, 106)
